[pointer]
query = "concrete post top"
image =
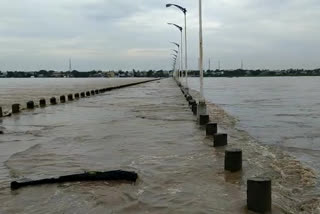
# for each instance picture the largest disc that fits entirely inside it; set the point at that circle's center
(234, 150)
(260, 179)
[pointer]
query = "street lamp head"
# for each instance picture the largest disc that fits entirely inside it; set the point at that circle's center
(177, 26)
(184, 10)
(175, 44)
(175, 51)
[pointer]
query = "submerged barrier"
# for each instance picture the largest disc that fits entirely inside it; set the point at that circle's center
(115, 175)
(258, 189)
(53, 100)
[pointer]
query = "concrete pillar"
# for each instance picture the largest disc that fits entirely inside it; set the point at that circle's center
(82, 94)
(202, 108)
(92, 92)
(62, 99)
(70, 97)
(211, 129)
(88, 93)
(1, 114)
(76, 95)
(53, 101)
(259, 195)
(204, 119)
(42, 102)
(233, 160)
(220, 140)
(15, 108)
(30, 105)
(194, 108)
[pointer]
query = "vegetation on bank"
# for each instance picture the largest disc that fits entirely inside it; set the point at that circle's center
(159, 73)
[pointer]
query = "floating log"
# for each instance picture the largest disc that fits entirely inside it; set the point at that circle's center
(115, 175)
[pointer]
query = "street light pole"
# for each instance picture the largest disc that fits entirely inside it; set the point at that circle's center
(178, 46)
(184, 10)
(200, 51)
(181, 49)
(202, 108)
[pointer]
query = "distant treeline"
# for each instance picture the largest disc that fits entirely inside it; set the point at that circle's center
(256, 73)
(83, 74)
(158, 73)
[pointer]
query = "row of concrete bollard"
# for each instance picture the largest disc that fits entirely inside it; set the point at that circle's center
(53, 100)
(258, 189)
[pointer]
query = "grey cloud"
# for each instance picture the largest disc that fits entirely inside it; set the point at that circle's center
(114, 34)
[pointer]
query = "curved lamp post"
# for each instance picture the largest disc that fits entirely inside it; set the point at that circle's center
(181, 53)
(178, 46)
(184, 10)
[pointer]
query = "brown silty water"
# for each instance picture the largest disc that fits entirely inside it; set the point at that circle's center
(149, 129)
(17, 90)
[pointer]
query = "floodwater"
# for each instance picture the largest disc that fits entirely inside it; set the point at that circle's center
(22, 90)
(149, 129)
(279, 111)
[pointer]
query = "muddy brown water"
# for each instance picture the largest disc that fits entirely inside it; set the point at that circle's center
(148, 129)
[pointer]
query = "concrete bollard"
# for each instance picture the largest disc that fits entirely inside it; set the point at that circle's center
(70, 97)
(1, 114)
(203, 119)
(101, 91)
(189, 98)
(194, 108)
(96, 91)
(15, 108)
(259, 195)
(82, 94)
(53, 101)
(92, 92)
(62, 99)
(76, 96)
(88, 93)
(30, 105)
(211, 129)
(191, 102)
(42, 102)
(233, 160)
(220, 140)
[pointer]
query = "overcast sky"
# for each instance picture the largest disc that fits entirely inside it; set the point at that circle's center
(127, 34)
